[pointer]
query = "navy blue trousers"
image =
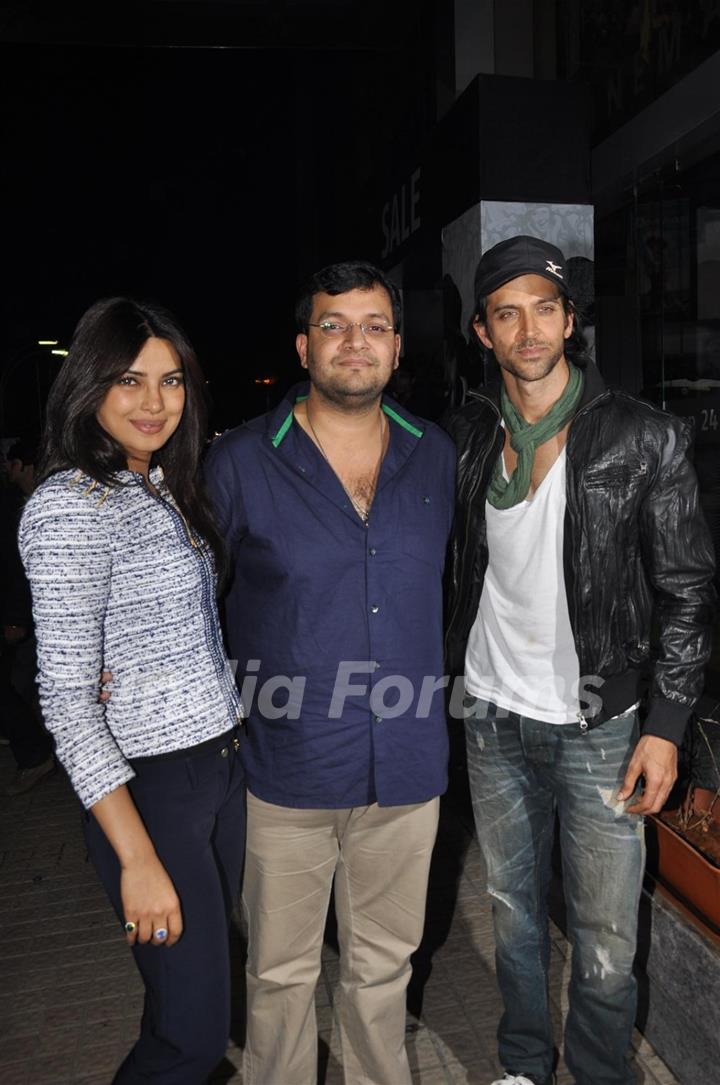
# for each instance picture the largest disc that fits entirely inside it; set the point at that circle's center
(194, 810)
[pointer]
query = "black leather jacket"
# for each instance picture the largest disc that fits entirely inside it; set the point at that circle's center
(637, 551)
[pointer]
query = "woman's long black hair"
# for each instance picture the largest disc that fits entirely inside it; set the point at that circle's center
(107, 340)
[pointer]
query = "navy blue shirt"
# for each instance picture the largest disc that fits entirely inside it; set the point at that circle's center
(336, 626)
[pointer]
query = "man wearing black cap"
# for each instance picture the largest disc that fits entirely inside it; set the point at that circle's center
(577, 521)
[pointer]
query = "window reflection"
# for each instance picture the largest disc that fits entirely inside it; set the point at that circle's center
(658, 265)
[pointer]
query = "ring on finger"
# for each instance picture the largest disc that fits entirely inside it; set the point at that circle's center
(130, 927)
(161, 934)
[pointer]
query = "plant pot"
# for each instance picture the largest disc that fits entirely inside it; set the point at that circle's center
(681, 867)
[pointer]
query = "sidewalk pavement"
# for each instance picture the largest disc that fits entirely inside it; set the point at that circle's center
(70, 999)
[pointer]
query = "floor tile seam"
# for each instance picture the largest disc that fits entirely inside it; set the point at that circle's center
(69, 922)
(437, 1043)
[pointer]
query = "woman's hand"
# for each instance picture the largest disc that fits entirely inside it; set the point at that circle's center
(151, 908)
(105, 680)
(150, 902)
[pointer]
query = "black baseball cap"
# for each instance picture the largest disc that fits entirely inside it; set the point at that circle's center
(517, 256)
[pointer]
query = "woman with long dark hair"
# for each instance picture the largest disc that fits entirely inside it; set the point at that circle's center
(121, 553)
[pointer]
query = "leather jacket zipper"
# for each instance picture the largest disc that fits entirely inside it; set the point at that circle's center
(580, 413)
(471, 498)
(584, 725)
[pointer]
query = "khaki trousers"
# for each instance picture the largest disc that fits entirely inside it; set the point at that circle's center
(379, 858)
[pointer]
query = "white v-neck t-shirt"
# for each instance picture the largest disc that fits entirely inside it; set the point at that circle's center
(521, 652)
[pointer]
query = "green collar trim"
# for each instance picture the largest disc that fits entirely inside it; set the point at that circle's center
(401, 421)
(280, 435)
(282, 432)
(277, 439)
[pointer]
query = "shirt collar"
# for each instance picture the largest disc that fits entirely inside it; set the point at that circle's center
(280, 420)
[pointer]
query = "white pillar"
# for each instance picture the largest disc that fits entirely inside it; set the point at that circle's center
(569, 226)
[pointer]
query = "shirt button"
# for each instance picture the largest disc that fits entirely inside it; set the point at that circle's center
(378, 719)
(426, 500)
(373, 551)
(224, 751)
(374, 610)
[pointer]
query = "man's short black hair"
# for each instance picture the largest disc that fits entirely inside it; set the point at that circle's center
(339, 279)
(24, 449)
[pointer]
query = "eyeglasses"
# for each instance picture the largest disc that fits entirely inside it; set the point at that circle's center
(337, 329)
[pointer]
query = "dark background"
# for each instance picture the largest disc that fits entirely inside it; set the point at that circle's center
(164, 174)
(206, 156)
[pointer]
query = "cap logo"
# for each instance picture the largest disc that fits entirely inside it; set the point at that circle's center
(554, 269)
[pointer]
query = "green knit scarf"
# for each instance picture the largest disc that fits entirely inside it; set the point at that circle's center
(525, 437)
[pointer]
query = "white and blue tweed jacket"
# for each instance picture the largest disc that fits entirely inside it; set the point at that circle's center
(119, 584)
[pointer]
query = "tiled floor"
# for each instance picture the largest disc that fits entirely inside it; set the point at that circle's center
(70, 998)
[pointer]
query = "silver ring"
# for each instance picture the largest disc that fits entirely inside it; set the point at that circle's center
(160, 934)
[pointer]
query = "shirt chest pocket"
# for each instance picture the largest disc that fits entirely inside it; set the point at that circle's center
(423, 527)
(618, 479)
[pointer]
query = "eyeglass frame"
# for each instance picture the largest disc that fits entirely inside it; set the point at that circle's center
(348, 324)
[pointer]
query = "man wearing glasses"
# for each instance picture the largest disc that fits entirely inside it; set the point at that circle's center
(336, 508)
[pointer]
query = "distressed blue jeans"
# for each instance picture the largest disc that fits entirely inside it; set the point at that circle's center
(522, 771)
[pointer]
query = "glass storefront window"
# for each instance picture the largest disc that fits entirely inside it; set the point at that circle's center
(661, 252)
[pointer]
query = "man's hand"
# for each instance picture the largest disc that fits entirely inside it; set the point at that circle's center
(655, 759)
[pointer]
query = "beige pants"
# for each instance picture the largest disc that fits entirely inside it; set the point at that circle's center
(379, 858)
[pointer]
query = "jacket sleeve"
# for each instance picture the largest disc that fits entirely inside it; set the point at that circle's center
(65, 547)
(678, 554)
